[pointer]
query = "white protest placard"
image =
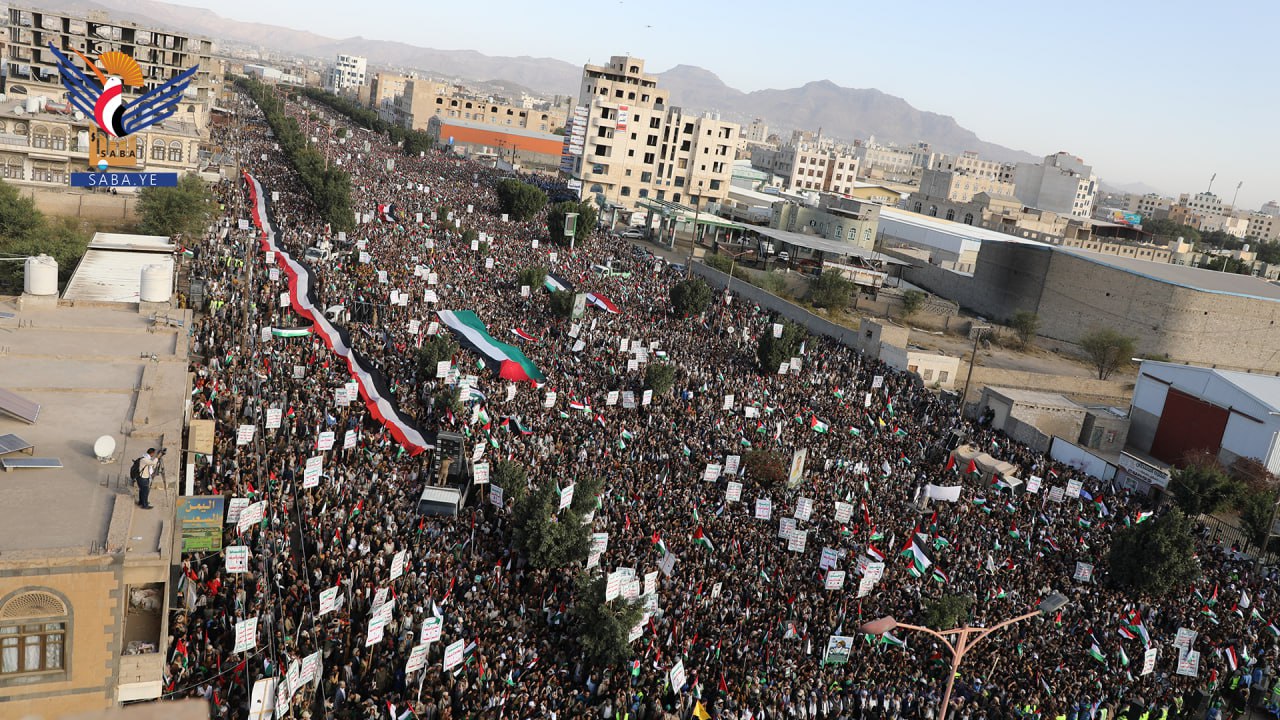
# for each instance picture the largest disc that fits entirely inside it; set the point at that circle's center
(613, 586)
(804, 508)
(1185, 638)
(764, 508)
(866, 400)
(628, 400)
(311, 667)
(432, 627)
(1084, 572)
(453, 654)
(651, 582)
(798, 540)
(284, 701)
(611, 398)
(777, 330)
(340, 397)
(750, 411)
(246, 635)
(265, 335)
(566, 497)
(299, 372)
(397, 563)
(647, 397)
(1033, 484)
(711, 473)
(550, 400)
(349, 440)
(251, 515)
(667, 564)
(835, 580)
(328, 600)
(1073, 487)
(237, 558)
(844, 511)
(830, 559)
(784, 368)
(417, 658)
(273, 418)
(1189, 663)
(1149, 661)
(325, 440)
(294, 677)
(874, 570)
(795, 364)
(243, 224)
(786, 528)
(353, 391)
(442, 369)
(728, 403)
(244, 434)
(677, 676)
(377, 627)
(430, 296)
(524, 291)
(432, 278)
(733, 493)
(630, 589)
(731, 464)
(495, 495)
(311, 471)
(1055, 494)
(865, 585)
(235, 506)
(480, 473)
(877, 382)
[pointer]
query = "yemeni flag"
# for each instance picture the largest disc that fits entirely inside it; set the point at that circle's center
(700, 538)
(916, 549)
(602, 302)
(1233, 660)
(523, 335)
(817, 425)
(387, 212)
(875, 553)
(940, 576)
(555, 283)
(512, 364)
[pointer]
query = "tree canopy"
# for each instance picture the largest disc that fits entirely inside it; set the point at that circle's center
(1108, 350)
(773, 351)
(520, 200)
(690, 297)
(548, 536)
(26, 232)
(659, 377)
(831, 290)
(602, 628)
(1202, 487)
(184, 210)
(947, 611)
(585, 225)
(1026, 324)
(1155, 557)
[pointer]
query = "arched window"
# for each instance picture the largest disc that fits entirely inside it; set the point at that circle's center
(157, 149)
(58, 139)
(919, 208)
(33, 633)
(951, 214)
(933, 211)
(40, 137)
(175, 151)
(968, 218)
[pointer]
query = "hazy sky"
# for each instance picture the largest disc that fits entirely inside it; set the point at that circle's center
(1166, 92)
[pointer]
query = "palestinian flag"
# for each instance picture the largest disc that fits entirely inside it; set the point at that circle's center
(387, 213)
(979, 501)
(916, 550)
(555, 283)
(854, 431)
(1127, 634)
(1143, 516)
(659, 543)
(999, 594)
(1096, 653)
(915, 571)
(1124, 659)
(817, 425)
(700, 538)
(951, 462)
(627, 435)
(1084, 523)
(602, 302)
(512, 364)
(892, 640)
(972, 469)
(1275, 631)
(290, 332)
(1014, 532)
(523, 335)
(1052, 545)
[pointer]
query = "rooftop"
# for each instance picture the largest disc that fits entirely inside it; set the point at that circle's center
(813, 242)
(1184, 276)
(111, 269)
(1263, 388)
(1033, 397)
(84, 365)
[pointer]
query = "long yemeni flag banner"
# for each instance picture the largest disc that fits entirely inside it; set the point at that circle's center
(511, 363)
(302, 300)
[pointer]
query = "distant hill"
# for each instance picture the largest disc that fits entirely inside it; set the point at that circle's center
(845, 113)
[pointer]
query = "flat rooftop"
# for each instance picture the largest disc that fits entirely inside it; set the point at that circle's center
(1034, 397)
(84, 364)
(1183, 275)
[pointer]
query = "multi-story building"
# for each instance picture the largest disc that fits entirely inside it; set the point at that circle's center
(32, 71)
(420, 100)
(1263, 226)
(960, 185)
(835, 218)
(890, 162)
(1270, 207)
(969, 164)
(756, 132)
(1154, 207)
(806, 163)
(1062, 184)
(346, 74)
(274, 76)
(634, 145)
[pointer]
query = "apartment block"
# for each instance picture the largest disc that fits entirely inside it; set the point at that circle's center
(1062, 184)
(835, 218)
(634, 145)
(1152, 206)
(890, 162)
(384, 88)
(806, 163)
(346, 74)
(1263, 226)
(421, 100)
(960, 185)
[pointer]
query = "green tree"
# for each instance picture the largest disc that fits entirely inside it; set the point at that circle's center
(718, 262)
(947, 611)
(690, 297)
(831, 290)
(1256, 509)
(417, 141)
(1107, 350)
(562, 303)
(912, 301)
(771, 282)
(586, 221)
(19, 217)
(586, 494)
(659, 377)
(1170, 229)
(549, 537)
(767, 468)
(601, 628)
(432, 352)
(1156, 557)
(1268, 252)
(26, 232)
(520, 200)
(1228, 264)
(533, 276)
(511, 477)
(1201, 486)
(773, 351)
(184, 210)
(1026, 324)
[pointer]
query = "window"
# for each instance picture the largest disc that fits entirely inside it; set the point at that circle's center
(33, 630)
(927, 374)
(626, 191)
(968, 218)
(951, 214)
(39, 137)
(942, 376)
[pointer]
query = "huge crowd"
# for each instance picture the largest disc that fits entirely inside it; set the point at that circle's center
(747, 618)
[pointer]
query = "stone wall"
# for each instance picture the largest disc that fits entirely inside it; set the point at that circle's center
(116, 210)
(1064, 384)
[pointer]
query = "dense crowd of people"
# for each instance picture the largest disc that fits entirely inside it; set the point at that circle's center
(747, 617)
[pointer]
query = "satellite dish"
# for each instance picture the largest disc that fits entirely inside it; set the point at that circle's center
(104, 448)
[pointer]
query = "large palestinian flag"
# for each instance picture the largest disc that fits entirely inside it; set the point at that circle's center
(509, 361)
(305, 303)
(554, 283)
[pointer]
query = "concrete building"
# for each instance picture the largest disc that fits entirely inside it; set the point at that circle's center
(1181, 408)
(1154, 207)
(384, 88)
(888, 162)
(421, 100)
(1032, 418)
(628, 144)
(84, 573)
(891, 344)
(1062, 184)
(956, 186)
(755, 131)
(346, 74)
(1263, 226)
(274, 76)
(835, 218)
(805, 164)
(968, 163)
(1182, 313)
(1270, 207)
(525, 148)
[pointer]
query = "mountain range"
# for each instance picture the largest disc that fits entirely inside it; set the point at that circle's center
(840, 112)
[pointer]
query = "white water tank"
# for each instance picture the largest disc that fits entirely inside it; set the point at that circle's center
(157, 284)
(41, 276)
(33, 105)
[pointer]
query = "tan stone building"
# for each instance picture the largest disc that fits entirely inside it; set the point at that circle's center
(420, 100)
(961, 185)
(808, 163)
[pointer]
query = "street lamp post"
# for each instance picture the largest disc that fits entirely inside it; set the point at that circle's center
(728, 288)
(966, 637)
(973, 360)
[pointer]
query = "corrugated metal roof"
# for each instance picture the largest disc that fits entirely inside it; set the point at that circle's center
(111, 270)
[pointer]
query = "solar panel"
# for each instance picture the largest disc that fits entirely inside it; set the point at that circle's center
(19, 407)
(12, 443)
(29, 463)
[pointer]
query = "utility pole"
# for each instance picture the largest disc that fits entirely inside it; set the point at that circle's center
(973, 360)
(1237, 195)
